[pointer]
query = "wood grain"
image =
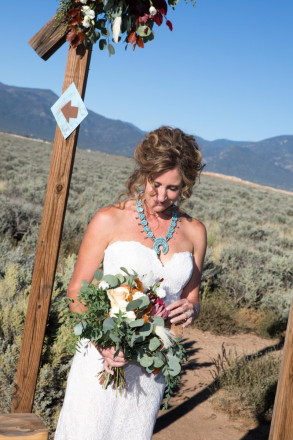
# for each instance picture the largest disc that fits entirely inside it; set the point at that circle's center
(48, 40)
(77, 68)
(282, 420)
(26, 426)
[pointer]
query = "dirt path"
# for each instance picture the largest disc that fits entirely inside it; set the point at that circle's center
(191, 415)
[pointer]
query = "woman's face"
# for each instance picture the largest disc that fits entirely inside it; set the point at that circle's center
(166, 190)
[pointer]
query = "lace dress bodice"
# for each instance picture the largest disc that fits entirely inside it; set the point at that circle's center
(91, 413)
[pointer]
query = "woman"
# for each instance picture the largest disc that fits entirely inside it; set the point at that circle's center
(141, 233)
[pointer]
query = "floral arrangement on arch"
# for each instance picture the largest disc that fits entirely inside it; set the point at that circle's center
(90, 21)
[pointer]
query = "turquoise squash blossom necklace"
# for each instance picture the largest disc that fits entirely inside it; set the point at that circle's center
(160, 241)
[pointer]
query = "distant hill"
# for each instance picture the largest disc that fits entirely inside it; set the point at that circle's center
(26, 111)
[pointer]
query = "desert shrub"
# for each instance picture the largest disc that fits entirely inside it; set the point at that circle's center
(249, 382)
(56, 356)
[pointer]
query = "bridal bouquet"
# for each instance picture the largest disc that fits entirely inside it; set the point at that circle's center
(122, 311)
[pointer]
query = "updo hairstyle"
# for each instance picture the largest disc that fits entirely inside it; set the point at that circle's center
(165, 149)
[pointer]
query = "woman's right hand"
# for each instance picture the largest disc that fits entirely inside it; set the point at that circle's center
(109, 360)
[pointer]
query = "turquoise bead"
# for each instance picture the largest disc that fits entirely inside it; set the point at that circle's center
(160, 243)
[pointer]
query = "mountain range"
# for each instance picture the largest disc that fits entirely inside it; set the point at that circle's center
(26, 111)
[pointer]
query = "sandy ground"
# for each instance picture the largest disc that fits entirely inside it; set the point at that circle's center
(191, 414)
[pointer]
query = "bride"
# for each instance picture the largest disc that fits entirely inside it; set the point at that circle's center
(146, 232)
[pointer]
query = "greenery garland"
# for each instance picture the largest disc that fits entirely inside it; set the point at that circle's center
(91, 21)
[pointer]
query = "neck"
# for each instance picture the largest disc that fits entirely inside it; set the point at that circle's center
(166, 214)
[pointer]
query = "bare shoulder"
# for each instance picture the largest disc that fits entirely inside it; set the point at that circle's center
(193, 225)
(196, 232)
(106, 216)
(107, 219)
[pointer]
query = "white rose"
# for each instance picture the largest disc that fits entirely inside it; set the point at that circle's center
(83, 1)
(86, 22)
(118, 295)
(152, 10)
(104, 285)
(161, 292)
(88, 12)
(121, 306)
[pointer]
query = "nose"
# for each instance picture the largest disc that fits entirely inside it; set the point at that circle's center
(161, 194)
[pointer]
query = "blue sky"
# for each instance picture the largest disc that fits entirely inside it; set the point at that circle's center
(225, 71)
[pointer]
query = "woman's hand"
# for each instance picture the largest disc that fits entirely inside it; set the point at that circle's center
(109, 360)
(183, 310)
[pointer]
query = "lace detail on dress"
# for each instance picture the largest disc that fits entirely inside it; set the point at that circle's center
(91, 413)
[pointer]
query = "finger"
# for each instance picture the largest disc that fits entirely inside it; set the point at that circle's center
(187, 323)
(175, 304)
(106, 368)
(112, 363)
(177, 311)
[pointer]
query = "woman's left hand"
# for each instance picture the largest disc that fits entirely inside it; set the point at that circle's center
(181, 310)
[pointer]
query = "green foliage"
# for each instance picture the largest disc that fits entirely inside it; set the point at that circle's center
(249, 382)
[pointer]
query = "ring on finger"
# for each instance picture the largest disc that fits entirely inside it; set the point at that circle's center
(188, 313)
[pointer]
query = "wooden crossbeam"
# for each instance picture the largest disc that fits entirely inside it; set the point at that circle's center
(48, 40)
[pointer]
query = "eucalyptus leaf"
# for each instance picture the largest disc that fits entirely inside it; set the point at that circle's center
(174, 365)
(158, 320)
(114, 337)
(111, 49)
(133, 304)
(84, 285)
(98, 275)
(111, 279)
(154, 343)
(124, 270)
(108, 324)
(144, 301)
(146, 329)
(146, 361)
(79, 328)
(121, 278)
(102, 44)
(101, 23)
(105, 32)
(136, 323)
(158, 362)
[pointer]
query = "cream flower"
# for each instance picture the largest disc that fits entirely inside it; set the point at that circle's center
(117, 295)
(161, 292)
(121, 307)
(152, 10)
(86, 22)
(104, 285)
(88, 12)
(116, 28)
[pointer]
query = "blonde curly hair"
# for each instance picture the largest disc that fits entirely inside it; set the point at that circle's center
(161, 150)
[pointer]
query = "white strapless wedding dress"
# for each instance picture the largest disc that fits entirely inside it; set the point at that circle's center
(91, 413)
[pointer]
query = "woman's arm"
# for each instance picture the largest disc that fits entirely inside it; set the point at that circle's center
(91, 253)
(96, 239)
(187, 308)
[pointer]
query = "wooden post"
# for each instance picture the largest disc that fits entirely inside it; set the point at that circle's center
(282, 420)
(48, 246)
